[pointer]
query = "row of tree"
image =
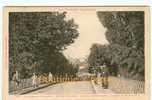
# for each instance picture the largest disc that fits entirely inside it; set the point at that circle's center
(36, 42)
(125, 52)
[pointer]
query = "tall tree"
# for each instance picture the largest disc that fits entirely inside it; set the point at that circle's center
(126, 30)
(38, 35)
(125, 33)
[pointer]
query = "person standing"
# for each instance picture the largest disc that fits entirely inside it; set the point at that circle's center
(50, 77)
(105, 77)
(34, 80)
(15, 78)
(98, 77)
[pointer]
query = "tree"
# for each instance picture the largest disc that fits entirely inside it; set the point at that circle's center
(125, 33)
(40, 34)
(102, 54)
(124, 28)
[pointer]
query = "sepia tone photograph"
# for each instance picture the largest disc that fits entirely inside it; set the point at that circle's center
(76, 50)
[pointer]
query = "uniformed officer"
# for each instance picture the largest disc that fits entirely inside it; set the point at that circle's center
(50, 77)
(105, 77)
(34, 77)
(15, 78)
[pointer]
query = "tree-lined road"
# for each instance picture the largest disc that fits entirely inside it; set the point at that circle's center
(81, 87)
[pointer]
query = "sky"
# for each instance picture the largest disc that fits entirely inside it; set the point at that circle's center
(91, 31)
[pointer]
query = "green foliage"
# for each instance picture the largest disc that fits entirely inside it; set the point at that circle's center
(34, 37)
(124, 28)
(125, 33)
(58, 65)
(101, 54)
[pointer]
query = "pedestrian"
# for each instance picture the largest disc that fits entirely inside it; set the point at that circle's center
(105, 77)
(106, 80)
(98, 78)
(15, 78)
(50, 77)
(34, 77)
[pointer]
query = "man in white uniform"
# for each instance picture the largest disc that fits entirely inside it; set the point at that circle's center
(50, 77)
(16, 78)
(34, 80)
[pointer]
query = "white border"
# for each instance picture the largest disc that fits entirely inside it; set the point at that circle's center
(66, 3)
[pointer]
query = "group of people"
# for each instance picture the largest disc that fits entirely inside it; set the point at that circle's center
(102, 76)
(34, 79)
(35, 82)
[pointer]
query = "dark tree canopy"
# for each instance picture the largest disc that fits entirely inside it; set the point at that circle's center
(36, 36)
(124, 28)
(125, 34)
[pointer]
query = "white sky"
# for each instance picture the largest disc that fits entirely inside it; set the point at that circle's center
(91, 31)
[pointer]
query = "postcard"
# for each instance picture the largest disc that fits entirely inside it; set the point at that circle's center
(76, 52)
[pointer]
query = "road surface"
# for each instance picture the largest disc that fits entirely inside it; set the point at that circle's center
(80, 87)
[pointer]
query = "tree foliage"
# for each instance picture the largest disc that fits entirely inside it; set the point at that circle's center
(125, 33)
(34, 37)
